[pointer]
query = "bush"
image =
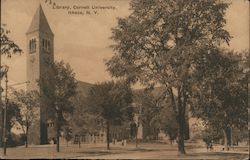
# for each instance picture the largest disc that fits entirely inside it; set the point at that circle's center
(15, 140)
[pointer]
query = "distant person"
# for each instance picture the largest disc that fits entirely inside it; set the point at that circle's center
(122, 142)
(177, 140)
(207, 144)
(54, 140)
(223, 149)
(211, 146)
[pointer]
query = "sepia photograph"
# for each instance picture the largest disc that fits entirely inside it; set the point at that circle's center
(125, 79)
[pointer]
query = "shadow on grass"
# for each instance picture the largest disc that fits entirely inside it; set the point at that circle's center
(115, 151)
(142, 149)
(98, 152)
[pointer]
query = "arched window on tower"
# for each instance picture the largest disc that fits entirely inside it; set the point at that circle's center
(46, 46)
(43, 44)
(32, 45)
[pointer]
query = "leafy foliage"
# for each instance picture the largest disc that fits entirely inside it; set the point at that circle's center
(13, 115)
(169, 123)
(29, 109)
(159, 43)
(8, 47)
(210, 134)
(220, 96)
(110, 101)
(68, 133)
(150, 109)
(83, 121)
(59, 88)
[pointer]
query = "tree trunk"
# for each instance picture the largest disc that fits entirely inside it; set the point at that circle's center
(181, 121)
(231, 136)
(26, 136)
(179, 107)
(225, 139)
(136, 138)
(181, 134)
(58, 136)
(79, 142)
(108, 136)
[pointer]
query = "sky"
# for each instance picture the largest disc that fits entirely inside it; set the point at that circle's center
(83, 40)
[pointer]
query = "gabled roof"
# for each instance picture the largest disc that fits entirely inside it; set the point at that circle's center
(39, 22)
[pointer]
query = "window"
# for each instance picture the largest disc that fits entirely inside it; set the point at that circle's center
(35, 44)
(50, 124)
(32, 45)
(46, 45)
(43, 43)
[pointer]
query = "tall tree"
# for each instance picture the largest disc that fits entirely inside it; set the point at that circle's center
(59, 89)
(29, 110)
(111, 102)
(158, 42)
(221, 92)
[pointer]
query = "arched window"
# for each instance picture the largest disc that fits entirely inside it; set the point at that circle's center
(46, 46)
(50, 124)
(35, 44)
(43, 45)
(32, 45)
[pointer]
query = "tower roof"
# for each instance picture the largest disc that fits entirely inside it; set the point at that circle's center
(39, 22)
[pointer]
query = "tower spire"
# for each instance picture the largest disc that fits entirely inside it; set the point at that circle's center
(40, 51)
(39, 22)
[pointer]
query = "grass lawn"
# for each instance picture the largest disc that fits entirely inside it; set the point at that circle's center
(145, 151)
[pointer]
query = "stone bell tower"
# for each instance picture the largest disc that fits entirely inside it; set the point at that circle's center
(40, 40)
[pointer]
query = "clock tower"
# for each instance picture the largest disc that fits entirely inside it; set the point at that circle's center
(40, 51)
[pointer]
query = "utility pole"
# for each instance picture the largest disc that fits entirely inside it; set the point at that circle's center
(5, 113)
